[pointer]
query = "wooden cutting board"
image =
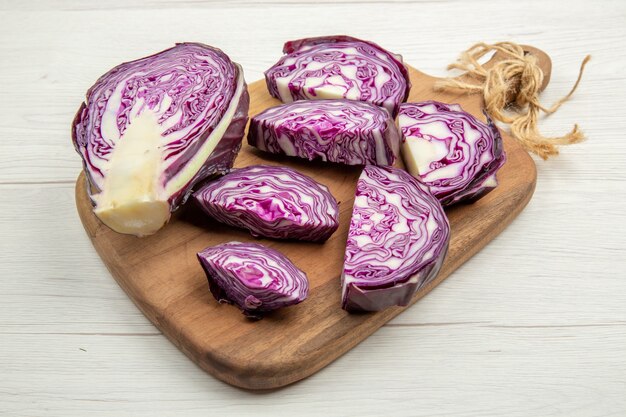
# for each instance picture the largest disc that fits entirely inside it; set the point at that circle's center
(161, 275)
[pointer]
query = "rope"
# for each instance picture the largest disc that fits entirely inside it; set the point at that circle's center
(513, 84)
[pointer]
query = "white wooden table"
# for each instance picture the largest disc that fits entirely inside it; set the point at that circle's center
(535, 325)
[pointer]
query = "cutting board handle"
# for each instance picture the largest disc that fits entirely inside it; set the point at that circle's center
(543, 62)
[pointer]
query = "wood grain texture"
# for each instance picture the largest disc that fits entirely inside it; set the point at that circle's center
(532, 325)
(161, 274)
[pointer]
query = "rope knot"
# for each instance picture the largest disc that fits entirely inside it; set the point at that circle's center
(510, 89)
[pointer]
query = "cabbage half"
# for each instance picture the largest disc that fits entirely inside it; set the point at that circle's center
(150, 129)
(397, 241)
(255, 278)
(450, 150)
(339, 67)
(343, 131)
(272, 201)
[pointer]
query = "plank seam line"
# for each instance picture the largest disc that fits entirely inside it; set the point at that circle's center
(434, 324)
(81, 334)
(63, 182)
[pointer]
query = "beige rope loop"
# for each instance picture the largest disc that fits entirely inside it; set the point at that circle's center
(513, 84)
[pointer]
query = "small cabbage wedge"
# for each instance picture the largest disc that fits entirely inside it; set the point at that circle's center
(255, 278)
(397, 241)
(151, 129)
(450, 150)
(272, 201)
(332, 67)
(344, 131)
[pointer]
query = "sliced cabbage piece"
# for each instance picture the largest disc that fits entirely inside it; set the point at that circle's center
(272, 201)
(343, 131)
(450, 150)
(255, 278)
(150, 129)
(331, 67)
(397, 241)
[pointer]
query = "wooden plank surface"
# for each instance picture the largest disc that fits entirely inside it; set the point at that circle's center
(532, 325)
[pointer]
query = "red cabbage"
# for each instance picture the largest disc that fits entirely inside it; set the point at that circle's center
(450, 150)
(272, 201)
(152, 128)
(255, 278)
(397, 240)
(344, 131)
(339, 67)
